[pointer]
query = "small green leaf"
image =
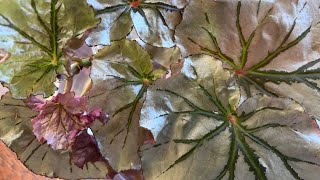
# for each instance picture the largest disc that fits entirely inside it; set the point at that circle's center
(16, 133)
(210, 139)
(34, 33)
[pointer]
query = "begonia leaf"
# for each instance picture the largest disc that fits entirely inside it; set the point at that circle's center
(271, 46)
(16, 131)
(201, 134)
(121, 74)
(34, 33)
(154, 21)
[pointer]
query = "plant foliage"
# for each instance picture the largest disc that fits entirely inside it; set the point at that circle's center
(182, 89)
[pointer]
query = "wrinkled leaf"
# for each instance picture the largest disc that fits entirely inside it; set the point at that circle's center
(201, 135)
(271, 46)
(62, 118)
(121, 74)
(16, 133)
(34, 33)
(161, 56)
(154, 21)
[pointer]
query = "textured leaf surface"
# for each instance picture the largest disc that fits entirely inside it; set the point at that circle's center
(201, 135)
(34, 33)
(16, 133)
(161, 56)
(61, 119)
(154, 21)
(271, 46)
(121, 74)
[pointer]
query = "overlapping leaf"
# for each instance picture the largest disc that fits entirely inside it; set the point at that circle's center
(153, 20)
(202, 136)
(16, 133)
(121, 74)
(161, 56)
(34, 32)
(62, 118)
(85, 150)
(271, 46)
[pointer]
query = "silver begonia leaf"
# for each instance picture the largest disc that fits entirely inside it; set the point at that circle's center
(201, 134)
(154, 21)
(272, 47)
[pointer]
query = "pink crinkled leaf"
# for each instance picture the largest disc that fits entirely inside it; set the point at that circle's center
(85, 150)
(62, 118)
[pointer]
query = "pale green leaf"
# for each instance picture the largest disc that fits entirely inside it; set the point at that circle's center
(34, 33)
(121, 74)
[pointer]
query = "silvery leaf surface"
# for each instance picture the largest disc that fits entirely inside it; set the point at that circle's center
(272, 47)
(154, 21)
(201, 133)
(121, 74)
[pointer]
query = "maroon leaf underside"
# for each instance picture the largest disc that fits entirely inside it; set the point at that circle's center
(85, 150)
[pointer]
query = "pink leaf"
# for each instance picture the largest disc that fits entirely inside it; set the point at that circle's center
(93, 115)
(34, 103)
(61, 119)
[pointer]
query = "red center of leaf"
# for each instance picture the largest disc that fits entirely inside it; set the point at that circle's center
(240, 72)
(135, 4)
(146, 82)
(232, 119)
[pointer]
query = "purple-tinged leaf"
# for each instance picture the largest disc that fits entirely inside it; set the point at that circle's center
(85, 150)
(34, 103)
(62, 118)
(96, 114)
(16, 132)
